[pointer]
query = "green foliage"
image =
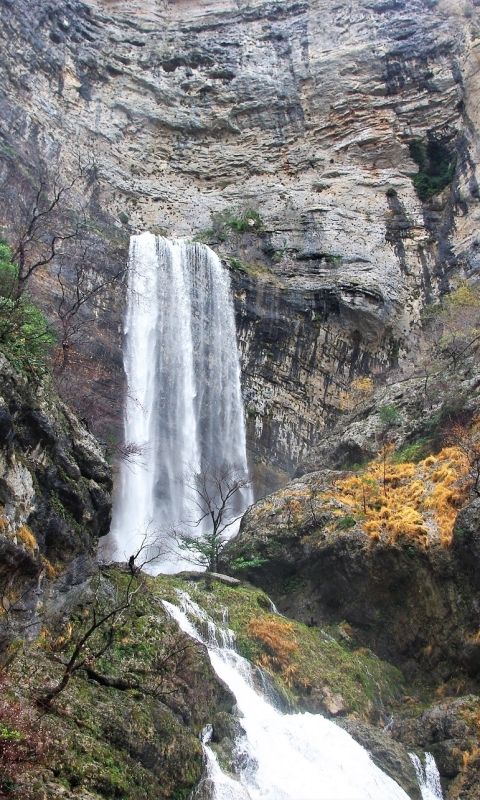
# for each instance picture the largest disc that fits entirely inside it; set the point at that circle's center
(26, 337)
(436, 167)
(291, 584)
(203, 550)
(209, 236)
(236, 264)
(245, 563)
(9, 151)
(332, 259)
(247, 221)
(57, 506)
(277, 255)
(413, 452)
(8, 734)
(347, 522)
(389, 414)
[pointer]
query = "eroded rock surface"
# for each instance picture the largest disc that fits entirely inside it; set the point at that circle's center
(55, 499)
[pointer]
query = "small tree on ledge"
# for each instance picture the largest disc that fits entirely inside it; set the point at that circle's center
(214, 493)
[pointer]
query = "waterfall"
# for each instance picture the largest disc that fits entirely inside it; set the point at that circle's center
(281, 756)
(428, 777)
(184, 406)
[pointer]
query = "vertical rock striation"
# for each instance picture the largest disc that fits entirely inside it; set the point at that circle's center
(303, 112)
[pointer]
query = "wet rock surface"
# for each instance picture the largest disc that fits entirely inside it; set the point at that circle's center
(449, 730)
(389, 755)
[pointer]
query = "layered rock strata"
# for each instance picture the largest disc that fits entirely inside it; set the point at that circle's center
(303, 112)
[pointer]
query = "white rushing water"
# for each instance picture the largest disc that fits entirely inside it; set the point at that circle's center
(184, 406)
(283, 756)
(428, 777)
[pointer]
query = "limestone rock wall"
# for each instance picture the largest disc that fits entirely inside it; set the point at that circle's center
(301, 111)
(55, 499)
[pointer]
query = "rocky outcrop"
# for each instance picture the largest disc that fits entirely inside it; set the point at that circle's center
(413, 603)
(387, 754)
(414, 415)
(303, 113)
(54, 494)
(448, 730)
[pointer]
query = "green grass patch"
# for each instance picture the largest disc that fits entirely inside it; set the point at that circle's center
(347, 522)
(413, 452)
(332, 259)
(241, 222)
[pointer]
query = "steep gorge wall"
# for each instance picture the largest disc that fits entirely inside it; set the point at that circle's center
(301, 111)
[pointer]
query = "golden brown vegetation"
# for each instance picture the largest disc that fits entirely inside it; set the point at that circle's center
(279, 644)
(468, 756)
(359, 390)
(27, 538)
(416, 501)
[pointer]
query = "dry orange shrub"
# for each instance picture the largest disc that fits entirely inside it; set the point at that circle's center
(294, 506)
(61, 640)
(26, 537)
(468, 756)
(277, 639)
(262, 509)
(50, 571)
(357, 392)
(417, 501)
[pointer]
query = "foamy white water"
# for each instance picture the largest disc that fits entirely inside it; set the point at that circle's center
(428, 777)
(283, 756)
(184, 405)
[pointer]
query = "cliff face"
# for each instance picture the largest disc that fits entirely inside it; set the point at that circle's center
(55, 501)
(301, 112)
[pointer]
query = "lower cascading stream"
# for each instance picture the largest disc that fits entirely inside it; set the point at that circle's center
(282, 756)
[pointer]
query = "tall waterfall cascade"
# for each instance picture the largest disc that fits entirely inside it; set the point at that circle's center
(184, 406)
(284, 756)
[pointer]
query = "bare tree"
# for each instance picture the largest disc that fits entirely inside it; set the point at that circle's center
(468, 442)
(80, 286)
(45, 227)
(215, 495)
(83, 656)
(99, 636)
